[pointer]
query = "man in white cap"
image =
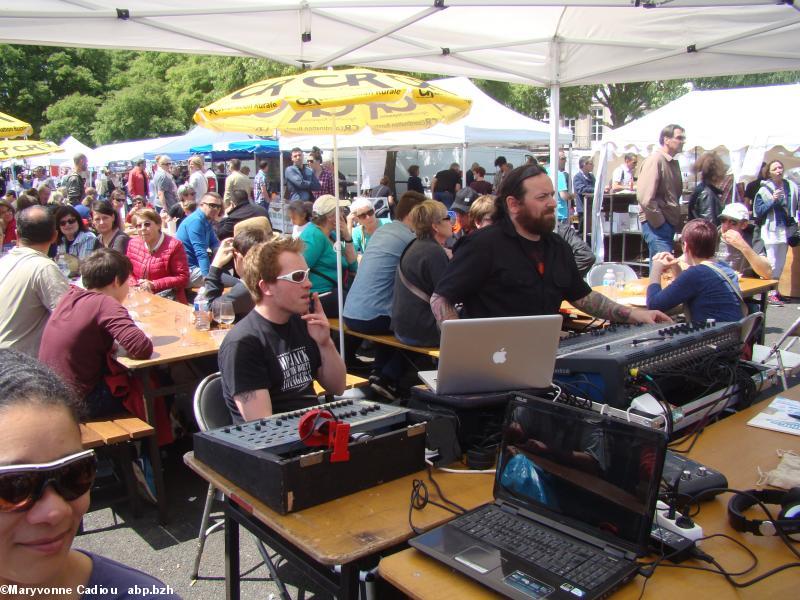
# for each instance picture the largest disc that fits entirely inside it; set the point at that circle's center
(736, 243)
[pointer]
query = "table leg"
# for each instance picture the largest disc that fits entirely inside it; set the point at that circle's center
(349, 582)
(232, 574)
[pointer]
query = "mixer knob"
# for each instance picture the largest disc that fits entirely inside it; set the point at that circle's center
(608, 347)
(711, 322)
(686, 475)
(257, 427)
(278, 422)
(702, 471)
(364, 411)
(238, 428)
(226, 430)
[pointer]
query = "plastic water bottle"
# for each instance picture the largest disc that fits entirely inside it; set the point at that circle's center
(202, 320)
(610, 282)
(61, 262)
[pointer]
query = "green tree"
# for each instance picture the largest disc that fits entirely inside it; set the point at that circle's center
(735, 81)
(72, 115)
(138, 111)
(629, 101)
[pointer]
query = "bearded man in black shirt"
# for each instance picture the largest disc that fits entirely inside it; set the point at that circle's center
(519, 266)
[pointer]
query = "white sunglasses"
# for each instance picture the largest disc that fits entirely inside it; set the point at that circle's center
(298, 276)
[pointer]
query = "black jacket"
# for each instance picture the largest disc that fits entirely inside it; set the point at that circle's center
(238, 213)
(706, 203)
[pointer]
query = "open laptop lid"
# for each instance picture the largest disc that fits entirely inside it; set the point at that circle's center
(594, 473)
(496, 355)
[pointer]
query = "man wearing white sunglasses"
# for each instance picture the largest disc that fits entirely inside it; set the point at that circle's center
(270, 358)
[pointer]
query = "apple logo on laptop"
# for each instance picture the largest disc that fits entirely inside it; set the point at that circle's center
(499, 357)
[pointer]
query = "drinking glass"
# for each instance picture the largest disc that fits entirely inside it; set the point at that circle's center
(182, 326)
(226, 314)
(146, 298)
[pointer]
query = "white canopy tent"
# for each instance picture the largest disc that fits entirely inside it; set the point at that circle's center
(131, 150)
(71, 146)
(746, 121)
(537, 42)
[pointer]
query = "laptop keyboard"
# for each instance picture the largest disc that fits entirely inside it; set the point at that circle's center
(579, 563)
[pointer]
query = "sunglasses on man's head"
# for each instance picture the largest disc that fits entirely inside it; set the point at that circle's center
(298, 276)
(67, 222)
(21, 486)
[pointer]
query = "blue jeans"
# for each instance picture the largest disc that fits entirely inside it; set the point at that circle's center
(658, 239)
(445, 198)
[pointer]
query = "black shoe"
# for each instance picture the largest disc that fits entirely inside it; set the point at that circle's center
(384, 387)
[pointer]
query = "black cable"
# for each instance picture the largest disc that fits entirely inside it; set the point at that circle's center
(420, 498)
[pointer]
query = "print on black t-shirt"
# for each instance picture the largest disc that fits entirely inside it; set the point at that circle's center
(296, 367)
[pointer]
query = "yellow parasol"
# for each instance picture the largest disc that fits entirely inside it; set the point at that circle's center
(20, 148)
(12, 127)
(325, 102)
(328, 102)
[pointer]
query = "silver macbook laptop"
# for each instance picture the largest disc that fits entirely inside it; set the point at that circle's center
(495, 355)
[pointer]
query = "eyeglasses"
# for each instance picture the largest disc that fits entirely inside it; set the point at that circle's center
(21, 486)
(680, 138)
(67, 222)
(364, 215)
(144, 225)
(298, 276)
(213, 205)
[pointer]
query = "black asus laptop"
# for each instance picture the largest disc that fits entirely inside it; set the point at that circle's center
(574, 494)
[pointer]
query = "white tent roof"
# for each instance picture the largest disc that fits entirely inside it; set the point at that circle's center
(488, 123)
(736, 119)
(71, 146)
(131, 150)
(540, 42)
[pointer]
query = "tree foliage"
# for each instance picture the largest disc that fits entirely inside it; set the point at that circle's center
(72, 115)
(102, 96)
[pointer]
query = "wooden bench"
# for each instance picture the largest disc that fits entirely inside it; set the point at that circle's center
(388, 340)
(351, 381)
(118, 434)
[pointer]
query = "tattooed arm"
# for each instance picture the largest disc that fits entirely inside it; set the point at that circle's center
(442, 309)
(255, 404)
(598, 305)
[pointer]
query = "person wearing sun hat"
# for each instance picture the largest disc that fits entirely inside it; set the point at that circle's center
(736, 247)
(320, 254)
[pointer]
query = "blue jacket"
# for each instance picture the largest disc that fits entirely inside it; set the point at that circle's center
(300, 184)
(197, 235)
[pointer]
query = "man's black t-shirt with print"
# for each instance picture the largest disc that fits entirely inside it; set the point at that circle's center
(281, 358)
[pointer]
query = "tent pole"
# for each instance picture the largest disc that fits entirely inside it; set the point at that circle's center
(464, 165)
(338, 246)
(555, 110)
(358, 171)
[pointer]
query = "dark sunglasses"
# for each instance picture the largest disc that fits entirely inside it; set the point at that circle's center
(21, 486)
(68, 222)
(364, 215)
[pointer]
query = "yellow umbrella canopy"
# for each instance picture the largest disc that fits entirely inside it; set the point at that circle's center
(12, 127)
(310, 103)
(21, 148)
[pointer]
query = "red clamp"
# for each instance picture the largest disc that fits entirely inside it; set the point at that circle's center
(320, 428)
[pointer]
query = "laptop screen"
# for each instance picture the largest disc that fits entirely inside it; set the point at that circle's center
(591, 472)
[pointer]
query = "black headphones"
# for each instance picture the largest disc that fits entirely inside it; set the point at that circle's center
(788, 518)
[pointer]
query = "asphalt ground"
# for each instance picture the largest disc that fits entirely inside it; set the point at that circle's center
(168, 552)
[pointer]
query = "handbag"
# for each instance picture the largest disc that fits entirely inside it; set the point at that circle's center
(792, 233)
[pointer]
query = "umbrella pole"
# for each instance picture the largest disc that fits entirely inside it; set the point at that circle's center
(340, 295)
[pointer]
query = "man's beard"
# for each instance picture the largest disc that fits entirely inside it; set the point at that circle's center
(544, 223)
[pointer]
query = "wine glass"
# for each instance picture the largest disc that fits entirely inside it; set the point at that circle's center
(182, 326)
(226, 314)
(146, 298)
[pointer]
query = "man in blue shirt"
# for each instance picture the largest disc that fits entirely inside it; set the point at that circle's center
(300, 178)
(583, 184)
(197, 234)
(368, 306)
(562, 208)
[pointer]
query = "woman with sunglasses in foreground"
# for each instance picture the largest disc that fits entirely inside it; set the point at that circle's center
(45, 479)
(159, 260)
